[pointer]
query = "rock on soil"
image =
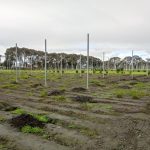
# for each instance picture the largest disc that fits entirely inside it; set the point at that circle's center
(24, 120)
(55, 92)
(83, 99)
(78, 89)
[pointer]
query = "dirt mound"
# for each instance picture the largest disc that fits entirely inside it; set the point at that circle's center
(14, 82)
(24, 120)
(6, 107)
(10, 108)
(78, 89)
(55, 92)
(124, 87)
(36, 85)
(133, 83)
(82, 99)
(3, 105)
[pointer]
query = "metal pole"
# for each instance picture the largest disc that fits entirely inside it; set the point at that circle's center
(147, 68)
(87, 86)
(80, 65)
(55, 67)
(108, 65)
(9, 62)
(45, 63)
(103, 66)
(16, 65)
(61, 64)
(92, 66)
(132, 64)
(31, 64)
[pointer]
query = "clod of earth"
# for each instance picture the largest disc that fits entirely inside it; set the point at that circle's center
(125, 87)
(24, 120)
(133, 83)
(3, 105)
(36, 85)
(13, 82)
(55, 92)
(10, 108)
(83, 99)
(78, 89)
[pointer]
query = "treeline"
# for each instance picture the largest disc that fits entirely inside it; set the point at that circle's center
(27, 57)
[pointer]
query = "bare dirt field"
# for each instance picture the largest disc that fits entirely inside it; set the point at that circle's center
(113, 114)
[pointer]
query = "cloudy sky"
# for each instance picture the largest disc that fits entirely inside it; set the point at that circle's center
(115, 26)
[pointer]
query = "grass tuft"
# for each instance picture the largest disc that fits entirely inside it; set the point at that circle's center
(34, 130)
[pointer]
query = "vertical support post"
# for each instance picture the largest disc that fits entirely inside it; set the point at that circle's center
(87, 85)
(45, 63)
(61, 64)
(31, 64)
(80, 65)
(132, 64)
(9, 63)
(66, 65)
(16, 64)
(92, 66)
(108, 66)
(147, 67)
(19, 66)
(55, 67)
(103, 65)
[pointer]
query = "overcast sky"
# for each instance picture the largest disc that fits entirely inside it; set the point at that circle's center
(115, 26)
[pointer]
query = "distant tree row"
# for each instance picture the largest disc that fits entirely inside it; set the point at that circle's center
(27, 57)
(36, 58)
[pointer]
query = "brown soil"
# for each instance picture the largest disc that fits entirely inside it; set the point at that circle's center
(55, 92)
(24, 120)
(82, 99)
(79, 89)
(124, 87)
(93, 119)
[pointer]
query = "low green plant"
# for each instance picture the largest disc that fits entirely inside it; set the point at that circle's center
(96, 82)
(42, 118)
(30, 94)
(105, 106)
(18, 111)
(2, 119)
(34, 130)
(83, 130)
(2, 147)
(43, 93)
(135, 94)
(60, 98)
(87, 106)
(9, 86)
(82, 71)
(119, 93)
(77, 71)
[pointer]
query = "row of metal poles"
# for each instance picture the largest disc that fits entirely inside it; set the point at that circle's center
(87, 78)
(87, 86)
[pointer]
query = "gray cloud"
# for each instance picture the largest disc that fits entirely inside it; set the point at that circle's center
(113, 25)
